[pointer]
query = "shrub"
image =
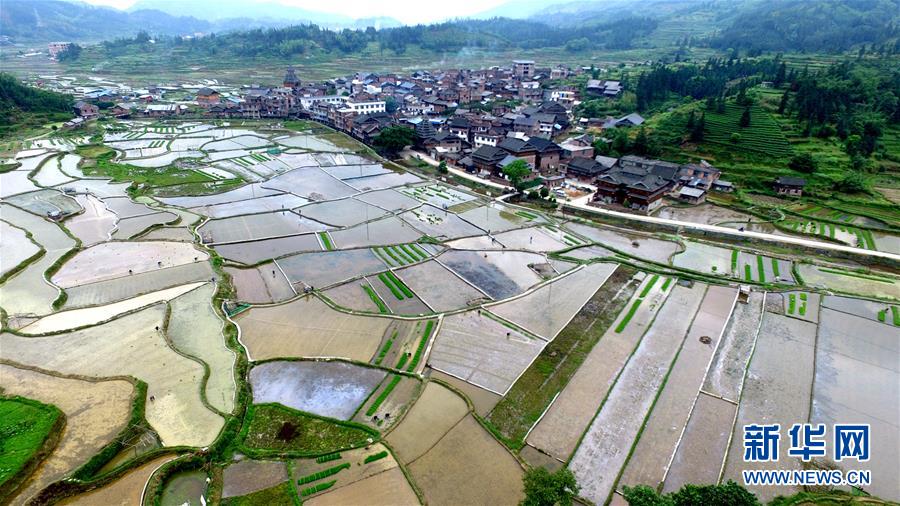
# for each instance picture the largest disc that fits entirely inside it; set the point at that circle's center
(803, 162)
(383, 395)
(331, 471)
(543, 488)
(377, 456)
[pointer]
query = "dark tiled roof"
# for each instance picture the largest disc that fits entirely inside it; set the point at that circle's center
(542, 145)
(791, 181)
(489, 154)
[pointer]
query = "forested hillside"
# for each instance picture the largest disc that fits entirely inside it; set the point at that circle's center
(825, 25)
(497, 33)
(21, 104)
(46, 20)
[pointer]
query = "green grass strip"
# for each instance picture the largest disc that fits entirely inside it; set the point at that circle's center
(405, 258)
(895, 313)
(384, 257)
(412, 256)
(870, 277)
(382, 308)
(390, 252)
(649, 286)
(318, 488)
(748, 272)
(383, 395)
(326, 241)
(402, 362)
(775, 269)
(421, 348)
(387, 282)
(734, 260)
(624, 323)
(331, 471)
(525, 214)
(329, 457)
(378, 456)
(386, 348)
(400, 284)
(882, 315)
(422, 254)
(761, 269)
(802, 307)
(870, 239)
(666, 284)
(792, 303)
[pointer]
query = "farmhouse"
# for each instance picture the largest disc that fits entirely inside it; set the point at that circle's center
(692, 195)
(792, 186)
(584, 169)
(86, 110)
(633, 188)
(487, 158)
(207, 97)
(702, 175)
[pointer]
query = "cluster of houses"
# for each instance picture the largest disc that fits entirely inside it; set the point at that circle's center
(479, 121)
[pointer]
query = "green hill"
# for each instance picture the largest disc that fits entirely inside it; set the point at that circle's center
(22, 105)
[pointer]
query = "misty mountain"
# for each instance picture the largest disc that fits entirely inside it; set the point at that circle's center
(271, 12)
(47, 20)
(214, 10)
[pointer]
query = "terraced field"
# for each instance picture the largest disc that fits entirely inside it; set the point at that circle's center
(291, 319)
(763, 136)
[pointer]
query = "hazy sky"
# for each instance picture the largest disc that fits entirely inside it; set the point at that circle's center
(407, 11)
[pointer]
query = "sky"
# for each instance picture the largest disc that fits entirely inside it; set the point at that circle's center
(406, 11)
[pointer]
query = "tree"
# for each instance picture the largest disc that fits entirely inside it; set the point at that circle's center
(543, 488)
(854, 182)
(690, 121)
(391, 105)
(393, 139)
(516, 172)
(621, 144)
(70, 53)
(545, 192)
(698, 130)
(641, 143)
(727, 494)
(442, 167)
(803, 162)
(735, 138)
(782, 106)
(745, 118)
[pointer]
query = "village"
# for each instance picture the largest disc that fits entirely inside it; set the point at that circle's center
(473, 121)
(426, 288)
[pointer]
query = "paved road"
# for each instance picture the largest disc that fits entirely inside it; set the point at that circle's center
(581, 203)
(456, 172)
(736, 233)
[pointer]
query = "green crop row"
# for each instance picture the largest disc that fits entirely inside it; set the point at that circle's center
(318, 488)
(331, 471)
(326, 241)
(760, 268)
(383, 396)
(377, 456)
(421, 348)
(382, 308)
(387, 282)
(328, 458)
(385, 349)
